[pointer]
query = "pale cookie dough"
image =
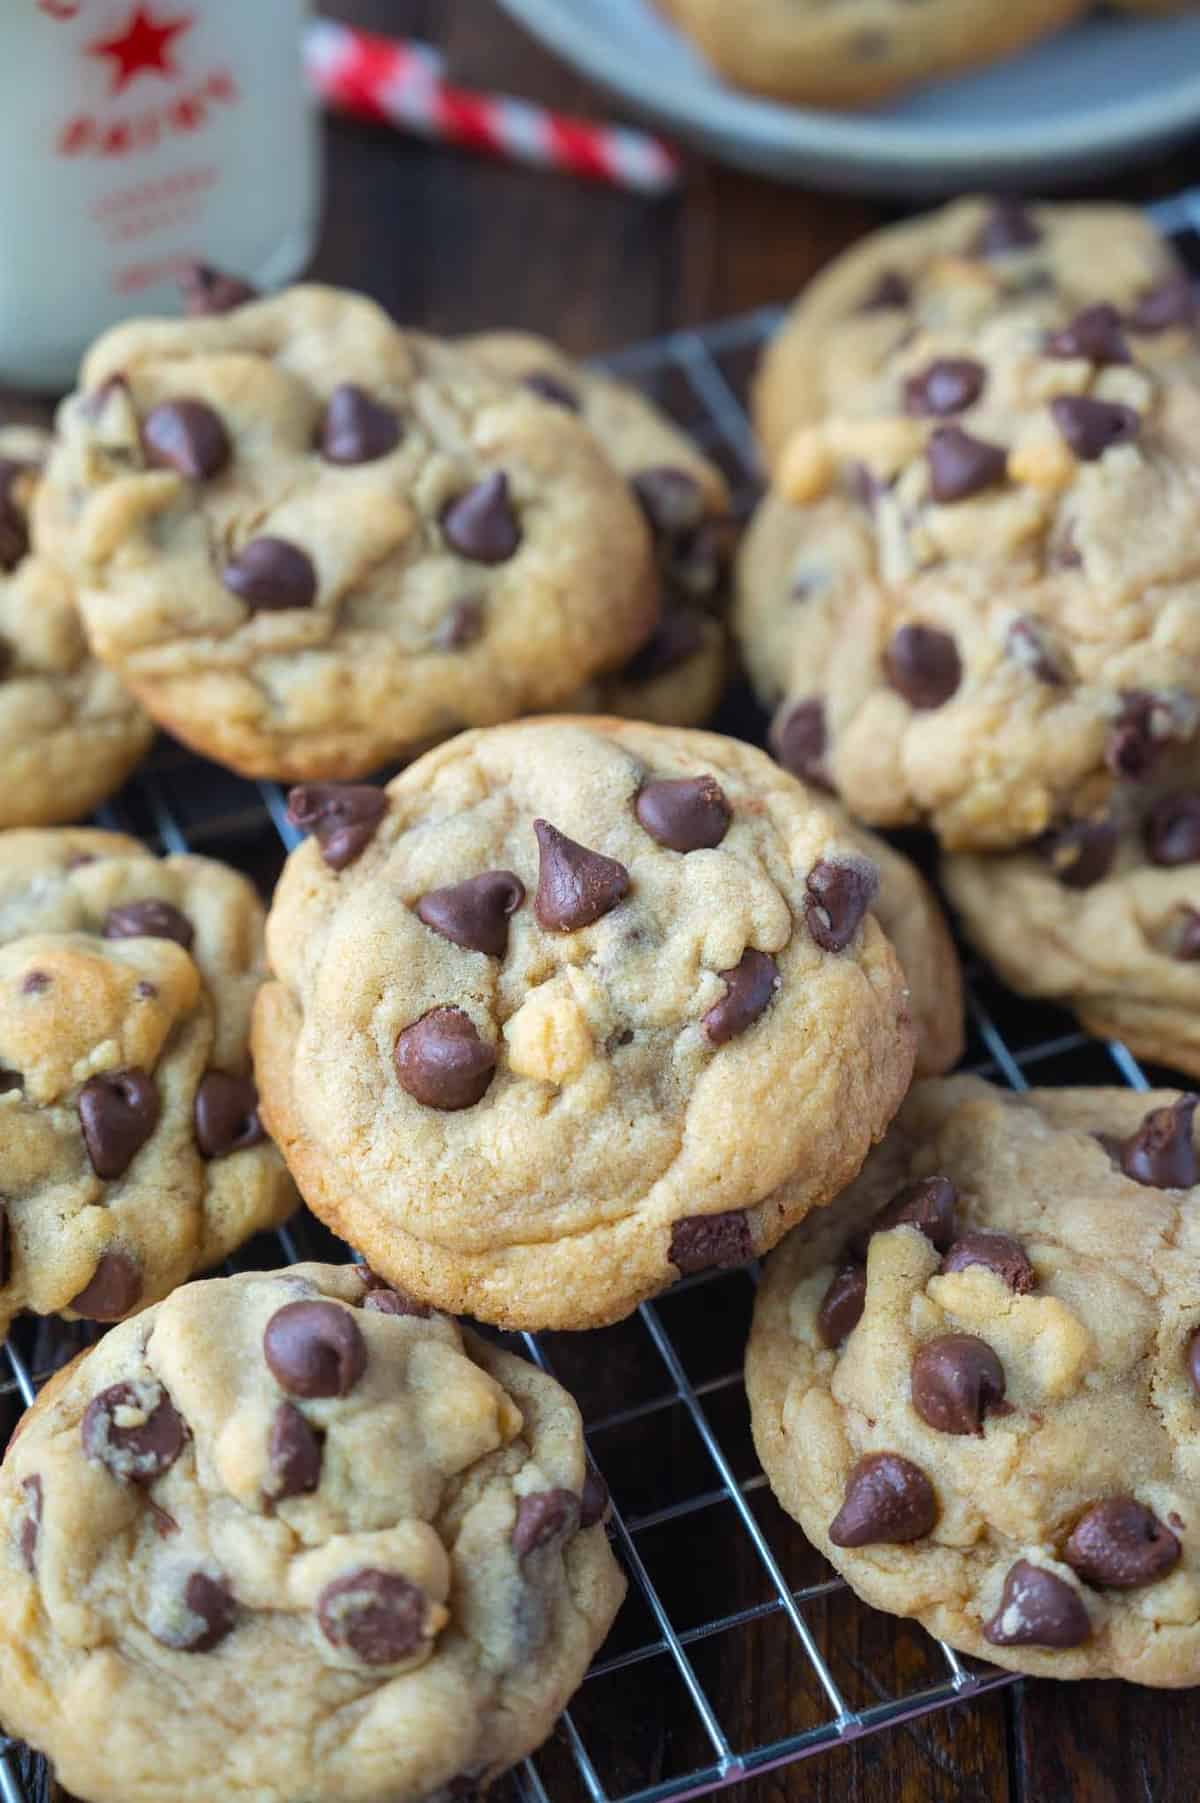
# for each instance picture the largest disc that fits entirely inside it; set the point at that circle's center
(131, 1153)
(292, 1538)
(571, 1008)
(312, 542)
(69, 733)
(991, 1424)
(987, 600)
(1104, 916)
(814, 54)
(951, 270)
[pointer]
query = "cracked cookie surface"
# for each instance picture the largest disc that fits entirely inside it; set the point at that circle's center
(300, 1488)
(974, 1382)
(571, 1008)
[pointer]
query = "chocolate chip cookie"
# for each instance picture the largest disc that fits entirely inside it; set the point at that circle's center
(862, 50)
(312, 542)
(571, 1008)
(69, 733)
(293, 1522)
(676, 677)
(131, 1152)
(976, 1382)
(985, 600)
(951, 270)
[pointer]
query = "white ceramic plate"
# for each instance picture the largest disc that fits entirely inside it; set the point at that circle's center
(1087, 102)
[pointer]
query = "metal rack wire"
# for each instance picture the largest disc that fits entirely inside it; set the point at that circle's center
(675, 1448)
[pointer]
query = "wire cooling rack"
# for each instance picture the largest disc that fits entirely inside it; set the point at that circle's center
(728, 1604)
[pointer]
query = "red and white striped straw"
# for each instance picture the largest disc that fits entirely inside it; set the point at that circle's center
(395, 82)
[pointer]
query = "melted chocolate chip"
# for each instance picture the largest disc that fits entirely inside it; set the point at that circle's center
(1171, 831)
(1136, 740)
(10, 1080)
(1119, 1544)
(961, 466)
(209, 1601)
(149, 920)
(14, 535)
(5, 1245)
(749, 988)
(686, 814)
(928, 1204)
(271, 575)
(1009, 226)
(842, 1304)
(207, 290)
(677, 636)
(541, 1518)
(1187, 941)
(923, 665)
(956, 1380)
(551, 388)
(1095, 335)
(891, 291)
(593, 1503)
(343, 816)
(1037, 1609)
(1192, 1360)
(118, 1112)
(575, 886)
(314, 1349)
(474, 913)
(396, 1302)
(1081, 853)
(8, 658)
(888, 1500)
(31, 1521)
(1172, 303)
(481, 524)
(711, 1242)
(799, 740)
(134, 1430)
(378, 1615)
(996, 1252)
(295, 1453)
(1161, 1154)
(1028, 643)
(671, 499)
(35, 982)
(442, 1062)
(225, 1115)
(355, 428)
(186, 436)
(460, 625)
(114, 1289)
(837, 897)
(1091, 427)
(949, 385)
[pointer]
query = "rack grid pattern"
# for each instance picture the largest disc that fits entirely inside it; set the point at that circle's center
(677, 1363)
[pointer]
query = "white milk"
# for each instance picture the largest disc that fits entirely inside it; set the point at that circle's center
(136, 135)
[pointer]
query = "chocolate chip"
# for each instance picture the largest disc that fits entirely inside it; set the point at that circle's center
(1192, 1356)
(186, 436)
(699, 561)
(314, 1349)
(1172, 303)
(149, 920)
(837, 897)
(1119, 1543)
(684, 814)
(378, 1615)
(114, 1289)
(481, 524)
(14, 535)
(355, 428)
(118, 1112)
(1171, 830)
(927, 1204)
(343, 817)
(35, 982)
(750, 986)
(1187, 943)
(711, 1242)
(1080, 853)
(1161, 1154)
(225, 1115)
(1095, 335)
(671, 499)
(134, 1429)
(1029, 644)
(210, 1602)
(842, 1304)
(1137, 738)
(890, 291)
(961, 466)
(5, 1245)
(575, 886)
(396, 1302)
(949, 385)
(10, 1080)
(474, 913)
(1008, 226)
(8, 658)
(442, 1062)
(551, 388)
(997, 1252)
(207, 290)
(593, 1503)
(1037, 1609)
(956, 1380)
(31, 1523)
(295, 1453)
(888, 1500)
(1092, 427)
(541, 1518)
(677, 636)
(923, 665)
(271, 575)
(799, 740)
(460, 625)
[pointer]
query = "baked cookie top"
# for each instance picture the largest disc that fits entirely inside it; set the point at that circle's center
(69, 732)
(950, 271)
(312, 542)
(573, 1006)
(131, 1153)
(974, 1383)
(297, 1492)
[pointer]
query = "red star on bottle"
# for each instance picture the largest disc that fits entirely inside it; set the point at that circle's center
(144, 45)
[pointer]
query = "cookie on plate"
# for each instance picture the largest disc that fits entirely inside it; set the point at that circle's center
(951, 270)
(131, 1152)
(974, 1383)
(1102, 915)
(290, 1535)
(574, 1007)
(69, 733)
(852, 54)
(986, 602)
(312, 542)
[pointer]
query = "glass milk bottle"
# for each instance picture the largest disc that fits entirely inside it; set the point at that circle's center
(137, 136)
